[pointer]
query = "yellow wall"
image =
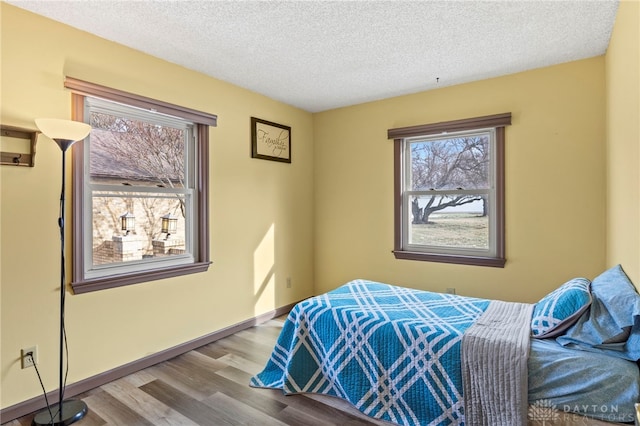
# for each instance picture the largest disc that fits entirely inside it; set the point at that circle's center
(623, 141)
(261, 212)
(555, 190)
(327, 217)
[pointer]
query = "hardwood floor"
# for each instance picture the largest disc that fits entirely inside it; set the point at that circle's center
(209, 386)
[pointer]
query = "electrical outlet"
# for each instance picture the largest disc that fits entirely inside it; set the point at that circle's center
(27, 361)
(451, 290)
(288, 282)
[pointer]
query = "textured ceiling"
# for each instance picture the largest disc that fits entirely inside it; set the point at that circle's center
(319, 55)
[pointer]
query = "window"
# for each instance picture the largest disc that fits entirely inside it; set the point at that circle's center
(140, 189)
(449, 191)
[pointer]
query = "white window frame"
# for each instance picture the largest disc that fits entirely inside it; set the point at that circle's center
(495, 255)
(198, 236)
(407, 195)
(98, 271)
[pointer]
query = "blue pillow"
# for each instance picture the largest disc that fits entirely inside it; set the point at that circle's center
(561, 308)
(612, 325)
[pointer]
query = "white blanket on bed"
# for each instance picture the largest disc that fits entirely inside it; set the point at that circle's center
(494, 365)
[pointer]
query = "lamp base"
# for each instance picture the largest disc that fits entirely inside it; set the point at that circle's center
(72, 411)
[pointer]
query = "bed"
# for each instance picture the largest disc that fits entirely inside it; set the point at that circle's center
(414, 357)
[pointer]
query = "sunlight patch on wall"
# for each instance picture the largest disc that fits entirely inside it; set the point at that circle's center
(264, 273)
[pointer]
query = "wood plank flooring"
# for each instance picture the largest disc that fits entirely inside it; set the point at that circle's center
(209, 386)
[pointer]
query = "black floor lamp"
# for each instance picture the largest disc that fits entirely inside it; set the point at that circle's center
(64, 133)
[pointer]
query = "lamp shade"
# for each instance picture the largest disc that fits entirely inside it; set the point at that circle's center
(63, 132)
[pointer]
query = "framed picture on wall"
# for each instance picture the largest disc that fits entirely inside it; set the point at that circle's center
(270, 141)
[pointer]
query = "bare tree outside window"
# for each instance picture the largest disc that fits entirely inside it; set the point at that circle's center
(135, 155)
(135, 150)
(448, 185)
(448, 164)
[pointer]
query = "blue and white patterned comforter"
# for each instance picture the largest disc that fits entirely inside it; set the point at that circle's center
(393, 352)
